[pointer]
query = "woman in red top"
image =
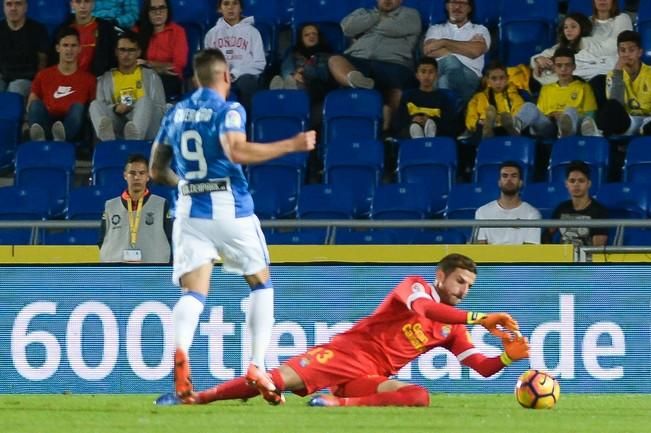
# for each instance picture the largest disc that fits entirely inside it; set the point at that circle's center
(164, 44)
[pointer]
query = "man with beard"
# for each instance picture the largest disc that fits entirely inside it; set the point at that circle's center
(508, 206)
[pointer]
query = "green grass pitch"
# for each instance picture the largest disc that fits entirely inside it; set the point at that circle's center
(577, 413)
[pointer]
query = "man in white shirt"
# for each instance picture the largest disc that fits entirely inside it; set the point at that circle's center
(459, 47)
(508, 206)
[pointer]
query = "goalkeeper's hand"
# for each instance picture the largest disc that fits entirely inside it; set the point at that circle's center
(516, 347)
(492, 320)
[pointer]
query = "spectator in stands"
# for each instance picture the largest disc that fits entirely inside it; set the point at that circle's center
(381, 55)
(425, 111)
(306, 65)
(122, 12)
(593, 57)
(130, 98)
(242, 46)
(561, 106)
(459, 46)
(60, 93)
(97, 38)
(508, 207)
(580, 207)
(628, 89)
(164, 44)
(498, 99)
(136, 226)
(23, 48)
(607, 23)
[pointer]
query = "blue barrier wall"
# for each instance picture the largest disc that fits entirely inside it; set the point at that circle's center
(106, 329)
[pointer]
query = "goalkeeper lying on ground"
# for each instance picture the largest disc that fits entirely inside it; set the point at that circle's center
(356, 365)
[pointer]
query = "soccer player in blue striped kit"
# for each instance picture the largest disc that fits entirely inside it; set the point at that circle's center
(205, 136)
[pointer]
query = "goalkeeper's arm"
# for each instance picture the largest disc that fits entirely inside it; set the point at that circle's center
(447, 314)
(515, 349)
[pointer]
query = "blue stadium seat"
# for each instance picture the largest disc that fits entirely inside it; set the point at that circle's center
(279, 114)
(50, 13)
(48, 165)
(526, 27)
(319, 201)
(400, 201)
(545, 196)
(327, 14)
(357, 166)
(438, 13)
(351, 114)
(344, 236)
(594, 151)
(279, 180)
(465, 198)
(110, 157)
(297, 237)
(430, 161)
(623, 200)
(644, 27)
(86, 203)
(486, 13)
(636, 236)
(493, 151)
(11, 114)
(637, 166)
(22, 204)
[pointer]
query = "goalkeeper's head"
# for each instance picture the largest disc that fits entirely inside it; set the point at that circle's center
(455, 275)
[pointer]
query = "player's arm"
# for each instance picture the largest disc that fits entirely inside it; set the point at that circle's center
(412, 291)
(159, 165)
(516, 347)
(240, 151)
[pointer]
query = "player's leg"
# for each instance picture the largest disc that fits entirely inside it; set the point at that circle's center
(193, 258)
(284, 378)
(374, 391)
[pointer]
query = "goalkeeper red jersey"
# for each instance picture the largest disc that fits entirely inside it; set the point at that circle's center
(394, 335)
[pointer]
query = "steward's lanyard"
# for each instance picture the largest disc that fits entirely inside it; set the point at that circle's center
(134, 221)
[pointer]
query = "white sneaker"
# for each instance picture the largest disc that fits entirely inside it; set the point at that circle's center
(58, 131)
(416, 131)
(565, 126)
(36, 132)
(277, 83)
(430, 128)
(131, 131)
(589, 128)
(105, 131)
(358, 80)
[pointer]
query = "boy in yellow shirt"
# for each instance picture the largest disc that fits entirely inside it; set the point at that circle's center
(562, 106)
(628, 89)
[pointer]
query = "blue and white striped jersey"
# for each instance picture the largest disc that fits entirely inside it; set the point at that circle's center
(210, 186)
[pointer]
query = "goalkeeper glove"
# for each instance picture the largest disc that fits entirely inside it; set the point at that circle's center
(492, 320)
(515, 348)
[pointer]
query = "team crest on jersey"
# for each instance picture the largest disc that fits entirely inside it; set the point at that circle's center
(417, 288)
(233, 119)
(115, 220)
(304, 362)
(149, 218)
(445, 330)
(574, 95)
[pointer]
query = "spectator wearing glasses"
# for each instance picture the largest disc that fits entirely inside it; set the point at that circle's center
(459, 46)
(130, 98)
(97, 38)
(23, 48)
(164, 44)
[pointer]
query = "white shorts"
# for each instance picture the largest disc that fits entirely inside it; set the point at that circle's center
(239, 242)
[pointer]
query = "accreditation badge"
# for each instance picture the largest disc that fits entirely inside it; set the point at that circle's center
(132, 255)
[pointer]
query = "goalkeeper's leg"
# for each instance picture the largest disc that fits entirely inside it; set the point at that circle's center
(378, 391)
